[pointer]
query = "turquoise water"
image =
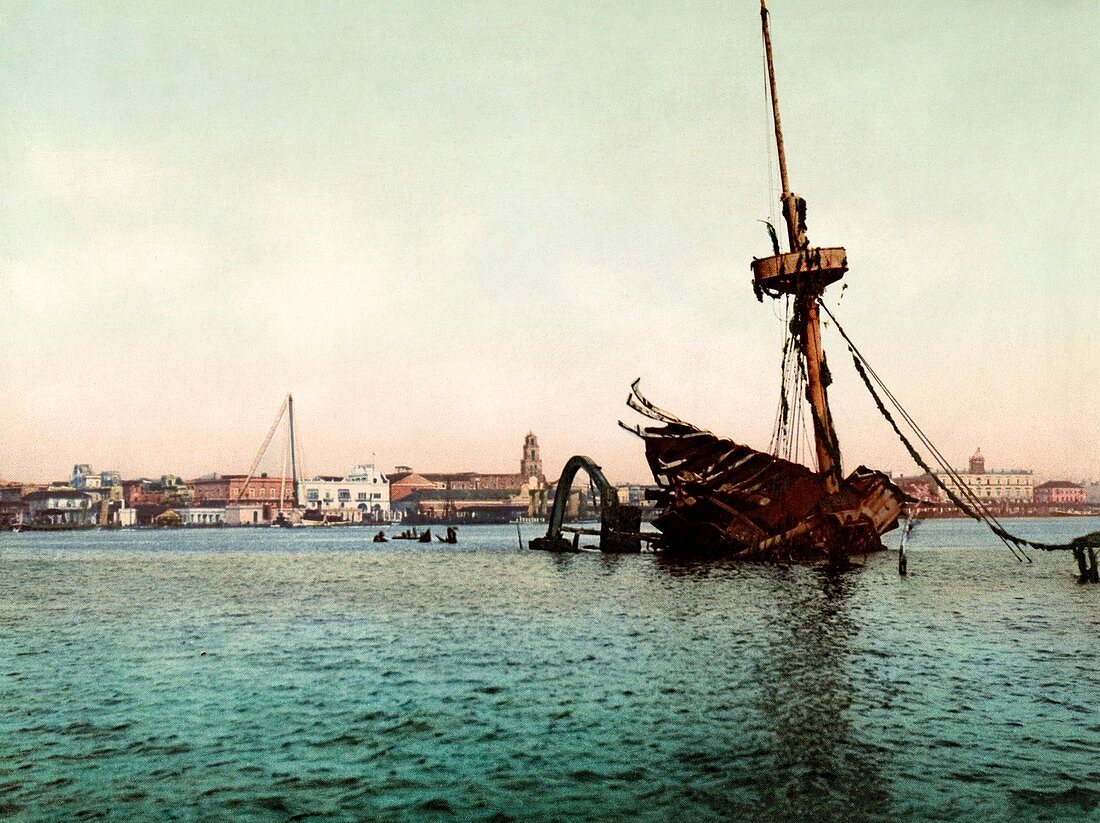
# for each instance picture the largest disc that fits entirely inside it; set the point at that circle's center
(280, 675)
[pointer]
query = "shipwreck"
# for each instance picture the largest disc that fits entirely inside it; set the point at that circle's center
(719, 497)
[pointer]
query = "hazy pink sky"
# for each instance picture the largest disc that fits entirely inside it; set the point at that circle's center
(442, 226)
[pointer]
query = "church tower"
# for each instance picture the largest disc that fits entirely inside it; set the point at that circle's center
(977, 462)
(531, 464)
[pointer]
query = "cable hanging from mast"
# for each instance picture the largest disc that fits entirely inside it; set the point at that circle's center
(973, 506)
(789, 433)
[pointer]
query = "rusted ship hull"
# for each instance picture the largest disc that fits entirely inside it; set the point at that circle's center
(723, 498)
(719, 496)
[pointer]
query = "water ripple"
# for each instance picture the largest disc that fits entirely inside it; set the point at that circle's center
(267, 675)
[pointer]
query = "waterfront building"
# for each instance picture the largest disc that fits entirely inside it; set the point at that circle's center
(175, 491)
(404, 481)
(477, 481)
(1059, 493)
(10, 515)
(13, 493)
(84, 478)
(168, 517)
(11, 503)
(140, 492)
(249, 514)
(634, 494)
(61, 507)
(270, 494)
(200, 515)
(463, 506)
(363, 495)
(1005, 486)
(102, 485)
(169, 490)
(1092, 492)
(102, 491)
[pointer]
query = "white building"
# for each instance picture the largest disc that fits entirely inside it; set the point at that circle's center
(200, 515)
(364, 495)
(61, 507)
(1014, 486)
(244, 514)
(84, 478)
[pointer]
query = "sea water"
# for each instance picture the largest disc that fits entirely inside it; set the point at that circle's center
(269, 674)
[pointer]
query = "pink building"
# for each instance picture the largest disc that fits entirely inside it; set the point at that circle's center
(273, 494)
(1059, 493)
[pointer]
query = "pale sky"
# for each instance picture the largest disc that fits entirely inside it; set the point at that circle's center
(441, 225)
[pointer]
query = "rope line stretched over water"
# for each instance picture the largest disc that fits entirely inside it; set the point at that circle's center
(977, 508)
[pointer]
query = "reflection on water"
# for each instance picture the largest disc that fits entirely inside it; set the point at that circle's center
(809, 764)
(261, 676)
(821, 770)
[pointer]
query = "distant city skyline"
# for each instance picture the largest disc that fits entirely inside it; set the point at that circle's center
(442, 227)
(269, 468)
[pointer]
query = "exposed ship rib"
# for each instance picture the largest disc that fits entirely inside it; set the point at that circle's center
(722, 495)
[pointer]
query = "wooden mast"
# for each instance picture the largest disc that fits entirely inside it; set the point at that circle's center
(293, 447)
(807, 291)
(263, 448)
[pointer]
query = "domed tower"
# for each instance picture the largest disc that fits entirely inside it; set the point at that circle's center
(531, 464)
(977, 462)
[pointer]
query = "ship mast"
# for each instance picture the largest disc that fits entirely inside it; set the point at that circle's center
(803, 272)
(293, 446)
(287, 410)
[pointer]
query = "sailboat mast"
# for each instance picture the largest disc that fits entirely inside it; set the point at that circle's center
(263, 449)
(293, 450)
(282, 471)
(806, 296)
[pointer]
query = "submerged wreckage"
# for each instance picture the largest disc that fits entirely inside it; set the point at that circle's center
(723, 498)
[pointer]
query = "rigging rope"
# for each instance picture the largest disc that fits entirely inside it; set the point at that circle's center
(1013, 542)
(789, 432)
(983, 514)
(976, 502)
(917, 458)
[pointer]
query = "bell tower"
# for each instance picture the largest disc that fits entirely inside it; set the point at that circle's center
(977, 462)
(531, 464)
